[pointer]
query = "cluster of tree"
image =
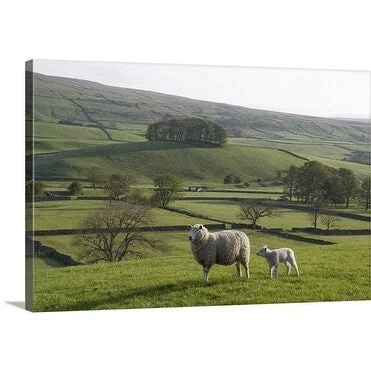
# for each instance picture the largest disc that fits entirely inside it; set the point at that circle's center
(118, 186)
(232, 179)
(235, 179)
(115, 186)
(336, 186)
(187, 130)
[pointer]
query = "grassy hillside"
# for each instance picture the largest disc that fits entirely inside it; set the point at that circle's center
(338, 272)
(79, 102)
(144, 160)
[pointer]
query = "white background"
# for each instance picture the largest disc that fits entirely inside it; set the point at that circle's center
(310, 34)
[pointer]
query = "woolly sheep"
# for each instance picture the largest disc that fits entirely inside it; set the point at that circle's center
(274, 257)
(224, 247)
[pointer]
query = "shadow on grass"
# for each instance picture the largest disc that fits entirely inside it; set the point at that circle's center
(124, 298)
(52, 263)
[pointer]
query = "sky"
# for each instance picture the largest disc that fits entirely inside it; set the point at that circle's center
(327, 93)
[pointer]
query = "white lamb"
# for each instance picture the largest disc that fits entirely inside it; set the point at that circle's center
(224, 247)
(274, 257)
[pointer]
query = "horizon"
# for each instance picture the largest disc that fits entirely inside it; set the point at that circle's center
(292, 91)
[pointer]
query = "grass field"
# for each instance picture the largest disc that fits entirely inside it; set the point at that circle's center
(49, 215)
(107, 129)
(338, 272)
(202, 164)
(286, 218)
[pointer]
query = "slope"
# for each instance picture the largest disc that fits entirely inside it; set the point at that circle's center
(144, 160)
(62, 100)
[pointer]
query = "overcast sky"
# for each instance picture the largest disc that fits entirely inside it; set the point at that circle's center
(327, 93)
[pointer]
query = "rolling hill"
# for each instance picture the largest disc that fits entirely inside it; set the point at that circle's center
(143, 160)
(61, 100)
(79, 124)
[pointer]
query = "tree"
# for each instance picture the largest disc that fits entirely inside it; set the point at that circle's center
(290, 181)
(35, 187)
(252, 210)
(329, 218)
(113, 233)
(333, 190)
(232, 179)
(167, 189)
(75, 188)
(117, 185)
(348, 184)
(320, 205)
(95, 176)
(312, 176)
(364, 193)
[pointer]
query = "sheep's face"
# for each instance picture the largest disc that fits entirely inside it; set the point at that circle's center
(195, 230)
(262, 251)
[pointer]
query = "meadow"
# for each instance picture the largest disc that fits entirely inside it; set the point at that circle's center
(332, 273)
(107, 130)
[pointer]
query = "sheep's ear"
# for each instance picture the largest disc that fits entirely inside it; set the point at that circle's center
(189, 226)
(265, 247)
(200, 227)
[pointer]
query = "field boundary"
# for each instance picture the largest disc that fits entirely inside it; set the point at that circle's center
(279, 205)
(334, 232)
(35, 249)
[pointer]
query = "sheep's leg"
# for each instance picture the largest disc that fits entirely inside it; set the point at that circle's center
(247, 270)
(288, 267)
(238, 266)
(206, 273)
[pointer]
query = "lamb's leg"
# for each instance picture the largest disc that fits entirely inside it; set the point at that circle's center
(288, 267)
(295, 267)
(276, 270)
(247, 270)
(271, 267)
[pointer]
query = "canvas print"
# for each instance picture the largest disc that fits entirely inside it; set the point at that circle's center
(159, 185)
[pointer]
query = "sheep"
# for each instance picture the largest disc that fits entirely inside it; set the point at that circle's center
(223, 247)
(274, 257)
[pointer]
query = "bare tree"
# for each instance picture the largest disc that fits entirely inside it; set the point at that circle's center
(253, 210)
(329, 218)
(112, 233)
(320, 206)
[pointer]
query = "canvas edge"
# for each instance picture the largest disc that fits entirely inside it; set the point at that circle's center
(29, 174)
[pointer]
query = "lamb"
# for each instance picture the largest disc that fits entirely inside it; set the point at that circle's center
(274, 257)
(223, 247)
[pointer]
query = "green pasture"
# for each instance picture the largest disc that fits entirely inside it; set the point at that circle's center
(205, 165)
(53, 137)
(328, 273)
(230, 195)
(49, 215)
(286, 218)
(329, 153)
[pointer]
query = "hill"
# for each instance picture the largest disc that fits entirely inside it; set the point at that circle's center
(62, 100)
(143, 160)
